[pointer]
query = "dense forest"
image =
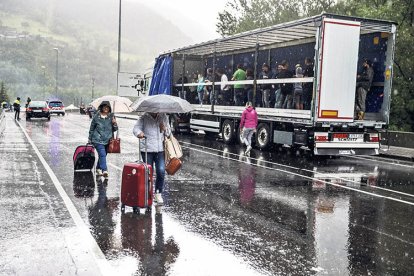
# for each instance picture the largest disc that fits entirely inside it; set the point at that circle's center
(245, 15)
(85, 34)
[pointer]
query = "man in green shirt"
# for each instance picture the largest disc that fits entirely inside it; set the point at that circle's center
(239, 95)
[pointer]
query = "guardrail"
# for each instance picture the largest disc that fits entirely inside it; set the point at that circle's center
(398, 139)
(2, 121)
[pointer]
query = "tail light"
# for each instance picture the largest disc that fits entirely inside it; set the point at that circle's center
(374, 137)
(321, 137)
(45, 109)
(28, 109)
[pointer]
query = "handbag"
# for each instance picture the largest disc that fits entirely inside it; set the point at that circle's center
(114, 145)
(172, 148)
(173, 165)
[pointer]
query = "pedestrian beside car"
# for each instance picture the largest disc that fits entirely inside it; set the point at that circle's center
(28, 101)
(248, 125)
(16, 106)
(154, 127)
(103, 125)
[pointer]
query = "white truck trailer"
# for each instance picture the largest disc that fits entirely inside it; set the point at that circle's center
(337, 44)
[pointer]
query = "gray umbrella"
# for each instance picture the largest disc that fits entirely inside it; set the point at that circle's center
(162, 104)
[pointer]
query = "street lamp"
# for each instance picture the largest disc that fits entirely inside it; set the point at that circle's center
(44, 79)
(57, 67)
(119, 46)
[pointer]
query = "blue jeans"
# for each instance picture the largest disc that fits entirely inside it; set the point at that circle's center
(158, 159)
(102, 151)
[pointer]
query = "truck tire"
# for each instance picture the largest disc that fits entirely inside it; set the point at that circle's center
(263, 136)
(228, 132)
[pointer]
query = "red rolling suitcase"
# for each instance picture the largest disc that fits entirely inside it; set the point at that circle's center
(136, 185)
(84, 157)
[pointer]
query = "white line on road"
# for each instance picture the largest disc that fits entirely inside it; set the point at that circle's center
(94, 249)
(310, 171)
(307, 177)
(381, 161)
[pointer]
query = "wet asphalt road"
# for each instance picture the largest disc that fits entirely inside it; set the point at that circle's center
(272, 213)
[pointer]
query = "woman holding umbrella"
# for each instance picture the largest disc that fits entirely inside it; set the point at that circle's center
(102, 127)
(154, 126)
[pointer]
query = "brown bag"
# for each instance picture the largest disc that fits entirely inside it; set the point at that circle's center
(172, 148)
(173, 165)
(114, 145)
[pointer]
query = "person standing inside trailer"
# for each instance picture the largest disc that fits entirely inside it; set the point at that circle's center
(307, 87)
(223, 96)
(249, 87)
(239, 93)
(266, 87)
(364, 82)
(248, 125)
(200, 89)
(298, 93)
(286, 89)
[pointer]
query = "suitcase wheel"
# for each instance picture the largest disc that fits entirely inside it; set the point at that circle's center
(122, 208)
(135, 210)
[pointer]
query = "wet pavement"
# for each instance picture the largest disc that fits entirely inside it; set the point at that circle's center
(271, 213)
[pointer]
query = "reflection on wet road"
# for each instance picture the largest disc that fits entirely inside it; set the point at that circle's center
(272, 213)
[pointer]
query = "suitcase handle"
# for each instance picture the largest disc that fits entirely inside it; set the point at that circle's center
(146, 149)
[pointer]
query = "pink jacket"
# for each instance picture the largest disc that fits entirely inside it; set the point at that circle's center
(249, 118)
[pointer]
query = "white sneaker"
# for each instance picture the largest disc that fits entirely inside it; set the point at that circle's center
(158, 199)
(249, 148)
(105, 174)
(98, 172)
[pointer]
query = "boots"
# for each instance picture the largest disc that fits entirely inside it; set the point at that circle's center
(361, 115)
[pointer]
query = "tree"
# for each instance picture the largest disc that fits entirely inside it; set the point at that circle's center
(4, 97)
(244, 15)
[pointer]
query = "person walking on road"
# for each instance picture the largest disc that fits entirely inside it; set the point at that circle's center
(103, 125)
(248, 125)
(16, 106)
(154, 126)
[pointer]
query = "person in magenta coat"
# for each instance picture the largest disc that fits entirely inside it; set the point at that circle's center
(248, 124)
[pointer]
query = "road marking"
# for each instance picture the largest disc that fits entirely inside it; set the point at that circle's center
(310, 171)
(382, 161)
(306, 177)
(94, 249)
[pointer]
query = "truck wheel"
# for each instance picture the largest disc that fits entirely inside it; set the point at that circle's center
(228, 132)
(263, 136)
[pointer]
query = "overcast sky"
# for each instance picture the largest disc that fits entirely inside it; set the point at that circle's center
(196, 18)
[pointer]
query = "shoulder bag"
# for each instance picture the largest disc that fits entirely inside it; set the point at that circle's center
(173, 153)
(114, 145)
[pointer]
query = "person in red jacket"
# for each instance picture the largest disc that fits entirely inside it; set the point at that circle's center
(248, 124)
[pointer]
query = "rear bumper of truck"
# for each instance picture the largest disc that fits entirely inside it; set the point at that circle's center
(333, 148)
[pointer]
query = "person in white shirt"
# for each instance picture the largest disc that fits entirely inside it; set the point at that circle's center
(225, 94)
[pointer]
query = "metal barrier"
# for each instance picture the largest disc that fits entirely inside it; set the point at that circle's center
(2, 121)
(400, 139)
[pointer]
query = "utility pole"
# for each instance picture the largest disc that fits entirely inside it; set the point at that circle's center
(93, 85)
(119, 46)
(57, 70)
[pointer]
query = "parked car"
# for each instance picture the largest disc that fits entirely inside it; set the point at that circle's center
(37, 109)
(57, 107)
